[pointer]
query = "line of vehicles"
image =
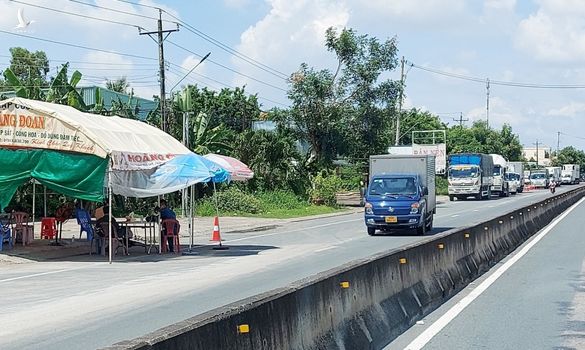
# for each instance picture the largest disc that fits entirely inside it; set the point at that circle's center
(401, 192)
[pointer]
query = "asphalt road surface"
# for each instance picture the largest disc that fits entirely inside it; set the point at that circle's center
(84, 305)
(533, 299)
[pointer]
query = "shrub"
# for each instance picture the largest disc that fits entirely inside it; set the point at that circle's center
(280, 200)
(232, 201)
(324, 188)
(441, 184)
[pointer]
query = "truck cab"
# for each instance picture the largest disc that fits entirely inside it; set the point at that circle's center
(398, 201)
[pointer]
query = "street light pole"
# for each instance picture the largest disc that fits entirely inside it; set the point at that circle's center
(397, 139)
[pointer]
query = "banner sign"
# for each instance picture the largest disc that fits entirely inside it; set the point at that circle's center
(438, 150)
(138, 161)
(21, 127)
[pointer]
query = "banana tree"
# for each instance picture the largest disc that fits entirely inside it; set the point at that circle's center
(207, 140)
(196, 133)
(33, 92)
(63, 91)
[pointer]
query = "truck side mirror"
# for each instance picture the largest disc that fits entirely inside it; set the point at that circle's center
(425, 191)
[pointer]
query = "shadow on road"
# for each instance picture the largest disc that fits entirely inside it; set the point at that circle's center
(233, 250)
(436, 230)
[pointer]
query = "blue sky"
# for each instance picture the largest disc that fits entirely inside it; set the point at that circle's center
(528, 41)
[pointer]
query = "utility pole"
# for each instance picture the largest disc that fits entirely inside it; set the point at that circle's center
(558, 143)
(537, 152)
(161, 63)
(460, 120)
(400, 101)
(487, 107)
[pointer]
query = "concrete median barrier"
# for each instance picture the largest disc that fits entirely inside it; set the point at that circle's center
(364, 304)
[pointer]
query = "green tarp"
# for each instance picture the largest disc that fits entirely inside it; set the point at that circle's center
(75, 175)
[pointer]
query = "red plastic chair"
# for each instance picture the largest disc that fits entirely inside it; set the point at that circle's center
(48, 228)
(172, 228)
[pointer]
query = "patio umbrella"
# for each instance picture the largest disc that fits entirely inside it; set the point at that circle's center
(238, 170)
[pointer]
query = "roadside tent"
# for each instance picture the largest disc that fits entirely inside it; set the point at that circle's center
(70, 151)
(75, 153)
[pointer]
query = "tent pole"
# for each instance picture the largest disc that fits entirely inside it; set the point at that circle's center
(33, 208)
(45, 200)
(159, 229)
(110, 216)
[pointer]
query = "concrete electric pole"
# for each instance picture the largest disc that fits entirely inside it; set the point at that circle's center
(161, 62)
(460, 120)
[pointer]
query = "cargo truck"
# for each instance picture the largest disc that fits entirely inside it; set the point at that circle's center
(518, 168)
(554, 174)
(570, 174)
(470, 174)
(539, 178)
(500, 184)
(401, 193)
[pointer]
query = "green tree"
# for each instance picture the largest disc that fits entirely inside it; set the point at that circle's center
(480, 138)
(120, 85)
(417, 120)
(570, 155)
(274, 158)
(31, 68)
(346, 111)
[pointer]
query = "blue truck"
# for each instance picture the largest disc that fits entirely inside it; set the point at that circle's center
(401, 193)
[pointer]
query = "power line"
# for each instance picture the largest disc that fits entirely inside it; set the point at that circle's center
(137, 4)
(118, 11)
(77, 14)
(573, 136)
(228, 49)
(174, 71)
(226, 67)
(79, 46)
(498, 82)
(218, 43)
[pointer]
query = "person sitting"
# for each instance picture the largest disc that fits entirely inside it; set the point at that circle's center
(167, 213)
(120, 231)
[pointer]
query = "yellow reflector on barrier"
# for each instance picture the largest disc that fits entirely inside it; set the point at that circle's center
(344, 284)
(402, 260)
(243, 328)
(441, 246)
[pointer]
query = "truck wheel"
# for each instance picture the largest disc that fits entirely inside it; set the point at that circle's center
(451, 198)
(430, 225)
(371, 231)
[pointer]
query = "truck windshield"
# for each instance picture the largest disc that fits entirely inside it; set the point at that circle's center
(396, 186)
(463, 171)
(538, 176)
(497, 171)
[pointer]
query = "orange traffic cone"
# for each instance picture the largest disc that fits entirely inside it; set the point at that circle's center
(216, 236)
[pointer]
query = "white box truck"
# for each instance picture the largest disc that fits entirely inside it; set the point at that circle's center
(570, 174)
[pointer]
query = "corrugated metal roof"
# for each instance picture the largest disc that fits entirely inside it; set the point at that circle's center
(145, 106)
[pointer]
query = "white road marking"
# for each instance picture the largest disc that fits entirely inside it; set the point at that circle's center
(454, 216)
(450, 315)
(324, 249)
(297, 230)
(51, 272)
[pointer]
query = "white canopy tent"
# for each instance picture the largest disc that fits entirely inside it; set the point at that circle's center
(133, 148)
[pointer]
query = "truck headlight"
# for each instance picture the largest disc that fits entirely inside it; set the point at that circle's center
(369, 209)
(414, 207)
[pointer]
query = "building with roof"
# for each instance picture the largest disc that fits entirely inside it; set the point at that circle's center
(140, 106)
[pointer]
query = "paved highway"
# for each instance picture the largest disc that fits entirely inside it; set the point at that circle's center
(80, 304)
(533, 299)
